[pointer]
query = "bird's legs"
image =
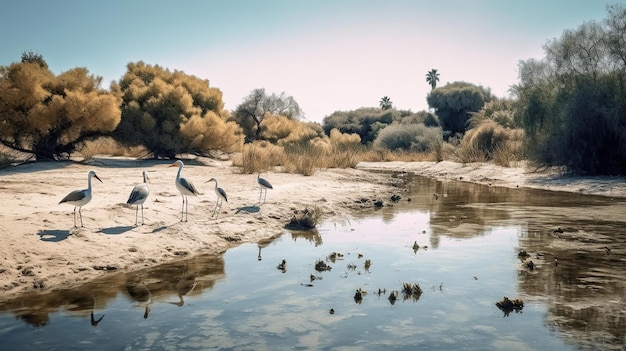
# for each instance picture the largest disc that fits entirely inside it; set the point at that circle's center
(141, 214)
(182, 210)
(80, 214)
(75, 217)
(218, 205)
(136, 214)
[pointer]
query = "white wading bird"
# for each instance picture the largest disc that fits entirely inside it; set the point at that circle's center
(221, 196)
(139, 195)
(185, 188)
(79, 198)
(264, 185)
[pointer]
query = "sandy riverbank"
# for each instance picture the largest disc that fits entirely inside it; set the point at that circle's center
(42, 251)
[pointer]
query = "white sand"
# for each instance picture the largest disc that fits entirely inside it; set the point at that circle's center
(42, 251)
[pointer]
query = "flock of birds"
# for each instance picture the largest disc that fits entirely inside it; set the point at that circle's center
(139, 194)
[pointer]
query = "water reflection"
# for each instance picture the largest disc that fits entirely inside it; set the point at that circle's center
(458, 243)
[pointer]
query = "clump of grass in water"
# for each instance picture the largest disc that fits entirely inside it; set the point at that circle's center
(305, 219)
(413, 291)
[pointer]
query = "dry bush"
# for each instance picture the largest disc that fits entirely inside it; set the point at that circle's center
(279, 129)
(489, 141)
(346, 149)
(258, 157)
(108, 146)
(212, 133)
(306, 156)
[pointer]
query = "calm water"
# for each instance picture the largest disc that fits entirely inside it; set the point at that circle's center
(469, 238)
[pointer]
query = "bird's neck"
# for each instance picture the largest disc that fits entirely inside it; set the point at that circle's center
(180, 169)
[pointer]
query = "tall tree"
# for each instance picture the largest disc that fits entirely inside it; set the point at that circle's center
(251, 112)
(454, 102)
(172, 112)
(49, 116)
(572, 103)
(432, 77)
(385, 103)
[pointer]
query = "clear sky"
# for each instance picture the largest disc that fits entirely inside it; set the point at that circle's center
(328, 54)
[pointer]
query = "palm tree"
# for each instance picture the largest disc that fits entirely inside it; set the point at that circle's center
(432, 77)
(385, 103)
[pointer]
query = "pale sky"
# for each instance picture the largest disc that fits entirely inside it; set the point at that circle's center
(329, 55)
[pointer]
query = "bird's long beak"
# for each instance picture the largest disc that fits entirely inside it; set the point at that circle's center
(172, 165)
(210, 180)
(95, 176)
(147, 178)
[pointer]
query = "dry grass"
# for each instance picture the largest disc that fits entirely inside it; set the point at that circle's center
(110, 147)
(384, 155)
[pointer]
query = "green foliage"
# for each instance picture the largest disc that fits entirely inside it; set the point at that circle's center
(31, 57)
(497, 110)
(366, 121)
(454, 102)
(385, 103)
(409, 137)
(572, 104)
(172, 112)
(421, 117)
(432, 77)
(48, 115)
(257, 105)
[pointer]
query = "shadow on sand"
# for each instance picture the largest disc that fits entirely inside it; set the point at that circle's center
(248, 209)
(53, 235)
(116, 230)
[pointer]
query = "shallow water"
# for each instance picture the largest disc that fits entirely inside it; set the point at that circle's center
(469, 237)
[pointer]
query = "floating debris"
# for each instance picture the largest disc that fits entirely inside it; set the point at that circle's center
(395, 198)
(334, 256)
(359, 255)
(415, 246)
(351, 266)
(507, 305)
(367, 264)
(558, 230)
(321, 266)
(523, 254)
(358, 295)
(315, 277)
(381, 292)
(393, 296)
(331, 311)
(282, 266)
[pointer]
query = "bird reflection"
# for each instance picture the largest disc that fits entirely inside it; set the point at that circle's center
(185, 285)
(140, 293)
(94, 322)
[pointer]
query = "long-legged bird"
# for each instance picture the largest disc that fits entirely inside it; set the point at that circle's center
(185, 188)
(79, 198)
(263, 185)
(139, 195)
(221, 196)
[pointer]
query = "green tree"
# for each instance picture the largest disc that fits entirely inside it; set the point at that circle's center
(572, 103)
(172, 112)
(365, 121)
(432, 77)
(257, 105)
(34, 58)
(49, 116)
(454, 102)
(385, 103)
